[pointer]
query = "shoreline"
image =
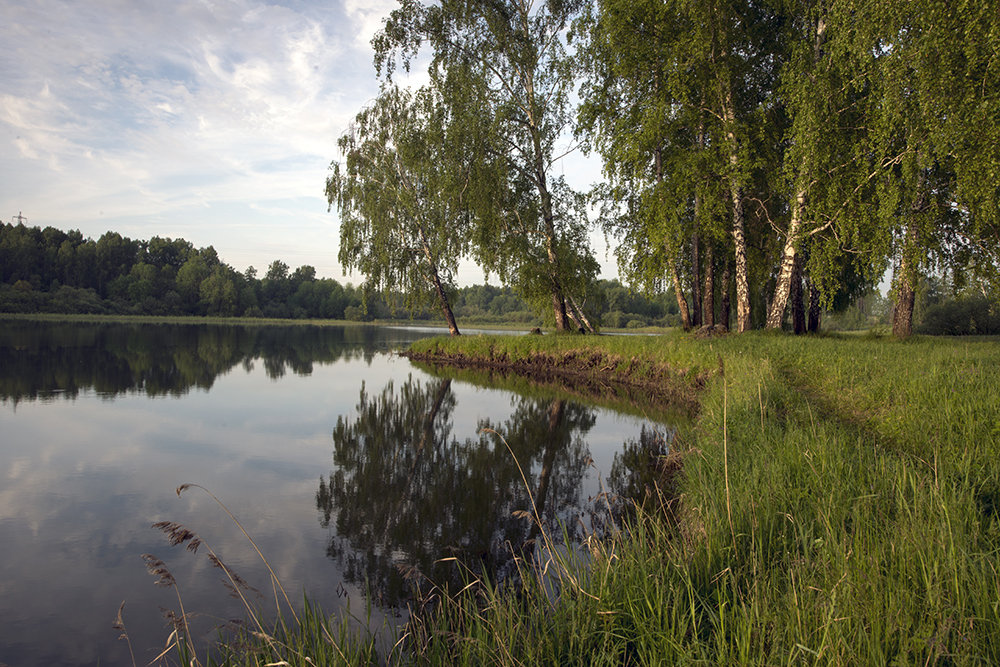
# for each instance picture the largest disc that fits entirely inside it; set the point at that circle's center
(588, 371)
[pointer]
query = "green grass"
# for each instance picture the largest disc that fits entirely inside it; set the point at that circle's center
(623, 373)
(839, 504)
(632, 356)
(862, 485)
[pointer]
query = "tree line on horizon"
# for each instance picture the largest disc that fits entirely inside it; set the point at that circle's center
(49, 270)
(763, 159)
(53, 270)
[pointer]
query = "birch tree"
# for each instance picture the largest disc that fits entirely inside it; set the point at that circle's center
(937, 141)
(660, 186)
(698, 81)
(502, 69)
(399, 192)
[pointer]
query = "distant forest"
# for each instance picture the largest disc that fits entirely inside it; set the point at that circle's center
(53, 271)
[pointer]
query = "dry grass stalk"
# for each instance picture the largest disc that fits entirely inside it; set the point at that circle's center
(178, 534)
(181, 632)
(119, 624)
(274, 577)
(179, 639)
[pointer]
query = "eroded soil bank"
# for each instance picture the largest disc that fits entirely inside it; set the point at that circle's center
(590, 372)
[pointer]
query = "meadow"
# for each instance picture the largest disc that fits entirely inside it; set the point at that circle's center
(836, 500)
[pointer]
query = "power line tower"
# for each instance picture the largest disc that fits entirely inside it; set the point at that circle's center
(18, 219)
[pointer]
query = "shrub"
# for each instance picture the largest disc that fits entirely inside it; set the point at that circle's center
(355, 314)
(961, 317)
(613, 320)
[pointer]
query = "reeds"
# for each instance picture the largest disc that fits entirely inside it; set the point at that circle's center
(308, 638)
(119, 625)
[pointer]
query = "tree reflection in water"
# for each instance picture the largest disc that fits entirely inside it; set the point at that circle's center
(644, 472)
(43, 360)
(405, 492)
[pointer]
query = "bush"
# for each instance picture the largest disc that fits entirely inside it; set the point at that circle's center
(355, 314)
(670, 320)
(277, 310)
(613, 320)
(961, 317)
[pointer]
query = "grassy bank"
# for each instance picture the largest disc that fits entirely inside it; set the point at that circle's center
(839, 503)
(656, 377)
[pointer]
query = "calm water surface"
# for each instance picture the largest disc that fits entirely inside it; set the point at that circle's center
(347, 464)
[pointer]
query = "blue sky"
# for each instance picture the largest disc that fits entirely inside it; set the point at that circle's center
(214, 121)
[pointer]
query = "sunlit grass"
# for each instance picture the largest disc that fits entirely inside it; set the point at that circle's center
(839, 504)
(863, 475)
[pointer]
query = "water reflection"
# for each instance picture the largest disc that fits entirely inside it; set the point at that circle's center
(405, 492)
(45, 360)
(413, 476)
(643, 471)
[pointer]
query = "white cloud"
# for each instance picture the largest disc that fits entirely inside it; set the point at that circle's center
(135, 112)
(368, 16)
(162, 118)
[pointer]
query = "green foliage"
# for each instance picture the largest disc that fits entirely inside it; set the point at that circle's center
(946, 53)
(962, 316)
(607, 304)
(174, 279)
(870, 311)
(503, 74)
(399, 192)
(847, 135)
(648, 124)
(50, 271)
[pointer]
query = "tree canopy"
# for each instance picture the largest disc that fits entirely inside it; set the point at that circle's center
(828, 139)
(401, 193)
(504, 73)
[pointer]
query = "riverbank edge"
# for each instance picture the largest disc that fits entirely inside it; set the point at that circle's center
(470, 326)
(819, 473)
(584, 365)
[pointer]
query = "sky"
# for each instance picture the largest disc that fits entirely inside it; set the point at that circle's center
(212, 121)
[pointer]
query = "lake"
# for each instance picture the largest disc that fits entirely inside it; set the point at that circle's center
(351, 468)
